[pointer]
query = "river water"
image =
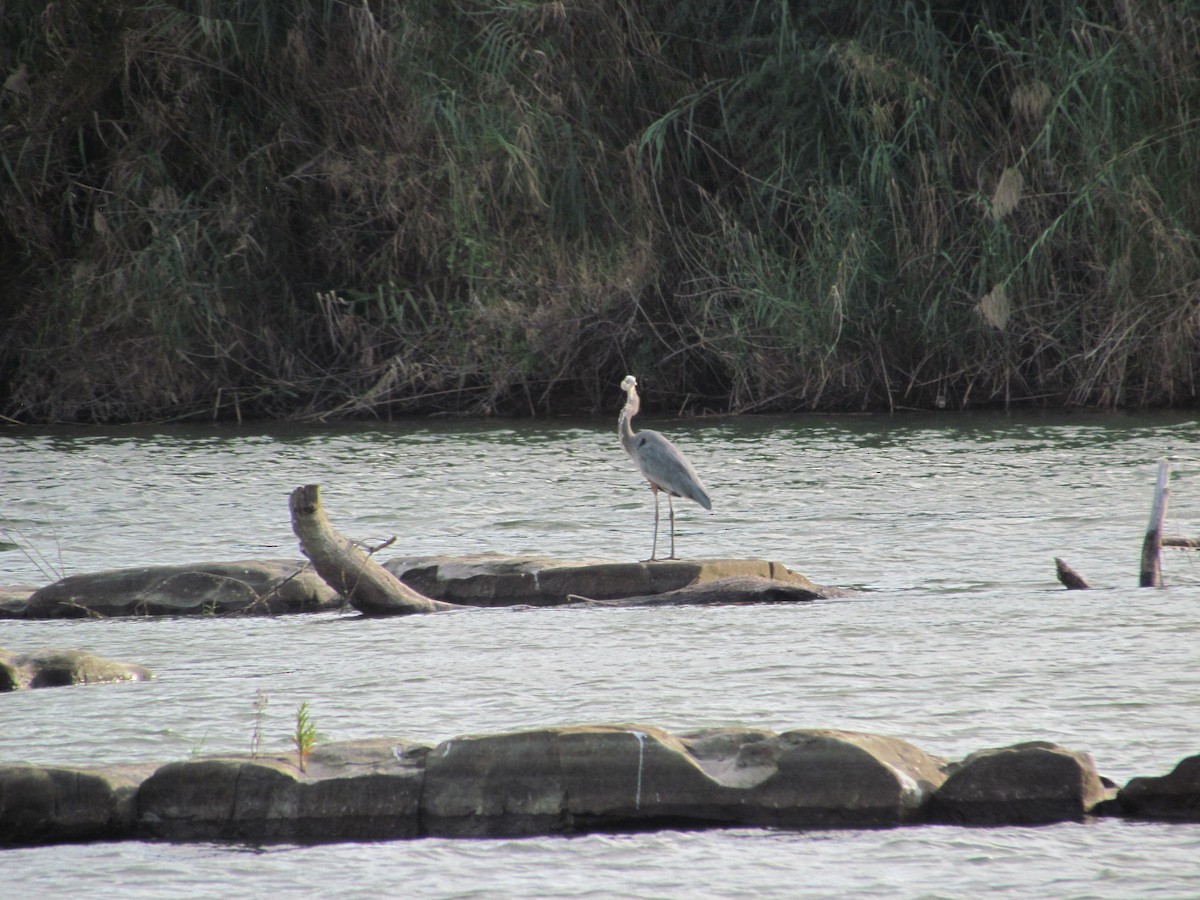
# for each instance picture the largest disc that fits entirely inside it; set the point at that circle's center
(959, 637)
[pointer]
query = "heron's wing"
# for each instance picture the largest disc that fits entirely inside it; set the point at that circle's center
(663, 465)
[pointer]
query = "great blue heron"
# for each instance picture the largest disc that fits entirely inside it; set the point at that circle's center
(660, 462)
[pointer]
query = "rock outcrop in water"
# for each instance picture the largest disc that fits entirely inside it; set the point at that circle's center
(571, 780)
(59, 668)
(363, 790)
(1175, 795)
(1026, 784)
(275, 587)
(247, 587)
(492, 580)
(574, 780)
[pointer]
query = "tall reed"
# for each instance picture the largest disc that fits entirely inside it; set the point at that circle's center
(344, 209)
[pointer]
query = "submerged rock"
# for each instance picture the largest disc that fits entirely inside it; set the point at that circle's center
(265, 587)
(1033, 783)
(1175, 795)
(59, 668)
(13, 600)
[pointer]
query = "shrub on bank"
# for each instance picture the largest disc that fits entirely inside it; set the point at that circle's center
(236, 209)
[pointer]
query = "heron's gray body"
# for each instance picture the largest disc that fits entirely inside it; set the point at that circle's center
(665, 467)
(660, 463)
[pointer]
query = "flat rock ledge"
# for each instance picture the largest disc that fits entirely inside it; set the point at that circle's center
(494, 580)
(244, 587)
(575, 780)
(275, 587)
(59, 668)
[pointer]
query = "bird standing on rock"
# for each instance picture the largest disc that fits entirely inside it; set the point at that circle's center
(660, 462)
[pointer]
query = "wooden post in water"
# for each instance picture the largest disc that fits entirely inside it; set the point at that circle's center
(1151, 575)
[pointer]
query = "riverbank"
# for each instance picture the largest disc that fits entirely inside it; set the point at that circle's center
(341, 211)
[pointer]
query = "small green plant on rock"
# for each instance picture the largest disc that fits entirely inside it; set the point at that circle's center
(305, 736)
(197, 745)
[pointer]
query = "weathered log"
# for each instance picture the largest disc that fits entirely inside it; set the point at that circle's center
(1069, 577)
(1182, 543)
(365, 584)
(1151, 571)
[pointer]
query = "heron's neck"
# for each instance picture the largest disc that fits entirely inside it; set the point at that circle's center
(625, 420)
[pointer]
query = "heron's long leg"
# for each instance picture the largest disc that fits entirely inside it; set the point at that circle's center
(654, 549)
(671, 507)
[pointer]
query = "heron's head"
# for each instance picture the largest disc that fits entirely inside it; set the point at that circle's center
(628, 384)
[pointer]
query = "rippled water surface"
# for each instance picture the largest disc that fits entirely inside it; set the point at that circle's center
(959, 639)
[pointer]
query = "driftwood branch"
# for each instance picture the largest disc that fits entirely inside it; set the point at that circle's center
(372, 549)
(366, 585)
(1182, 543)
(1069, 577)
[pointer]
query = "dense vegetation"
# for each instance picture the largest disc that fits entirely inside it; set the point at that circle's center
(371, 207)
